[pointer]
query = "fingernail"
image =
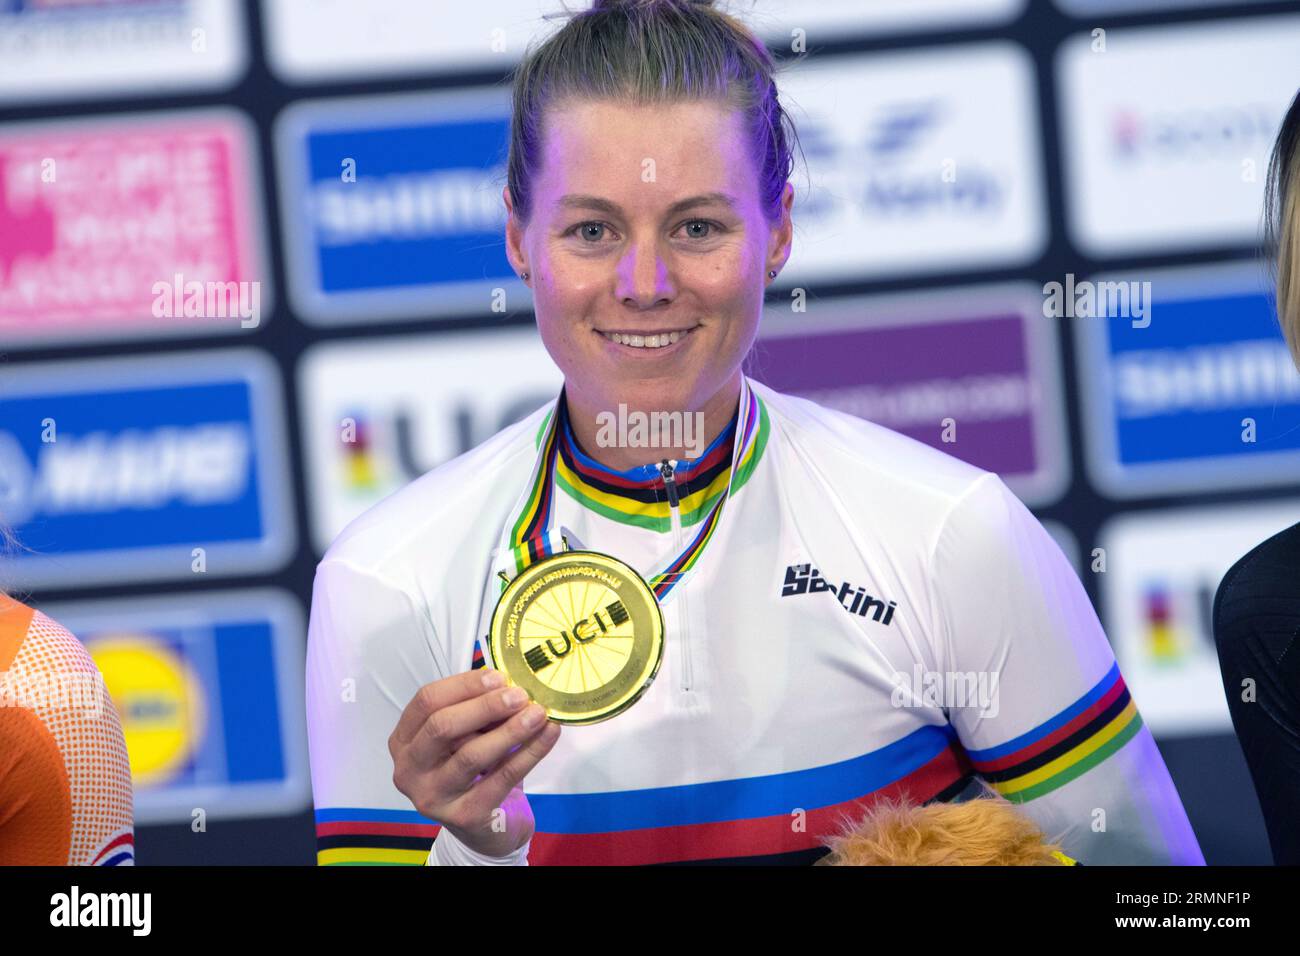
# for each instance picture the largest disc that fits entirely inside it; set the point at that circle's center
(514, 696)
(493, 679)
(533, 715)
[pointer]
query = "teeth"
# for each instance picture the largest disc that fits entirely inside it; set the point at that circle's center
(645, 341)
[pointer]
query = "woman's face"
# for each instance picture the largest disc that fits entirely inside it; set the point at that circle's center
(618, 244)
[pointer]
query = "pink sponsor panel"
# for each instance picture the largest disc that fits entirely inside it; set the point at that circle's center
(138, 225)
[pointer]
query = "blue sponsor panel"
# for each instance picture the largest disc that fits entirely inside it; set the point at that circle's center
(208, 689)
(392, 206)
(130, 469)
(1194, 390)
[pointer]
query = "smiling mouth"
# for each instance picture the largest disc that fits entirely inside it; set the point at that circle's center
(659, 341)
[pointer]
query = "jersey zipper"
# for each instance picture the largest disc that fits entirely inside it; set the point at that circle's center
(666, 469)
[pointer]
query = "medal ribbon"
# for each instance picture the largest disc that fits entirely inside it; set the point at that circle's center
(532, 537)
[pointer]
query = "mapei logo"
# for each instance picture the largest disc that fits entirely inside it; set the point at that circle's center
(805, 579)
(131, 469)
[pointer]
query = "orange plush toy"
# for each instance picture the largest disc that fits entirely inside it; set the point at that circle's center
(987, 831)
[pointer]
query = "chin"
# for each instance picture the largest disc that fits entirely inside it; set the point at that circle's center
(657, 396)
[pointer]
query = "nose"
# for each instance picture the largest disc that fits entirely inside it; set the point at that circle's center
(643, 279)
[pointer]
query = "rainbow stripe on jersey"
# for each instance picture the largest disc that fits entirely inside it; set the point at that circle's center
(638, 496)
(751, 819)
(1068, 745)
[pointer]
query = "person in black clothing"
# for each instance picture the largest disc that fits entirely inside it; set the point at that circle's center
(1257, 606)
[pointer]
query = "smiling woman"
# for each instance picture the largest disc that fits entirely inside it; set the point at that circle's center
(656, 600)
(649, 208)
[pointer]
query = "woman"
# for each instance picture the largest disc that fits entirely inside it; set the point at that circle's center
(1257, 605)
(823, 580)
(65, 782)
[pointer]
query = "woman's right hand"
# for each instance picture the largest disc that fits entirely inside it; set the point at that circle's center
(461, 749)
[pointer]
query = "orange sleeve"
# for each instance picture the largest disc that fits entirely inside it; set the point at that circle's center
(65, 781)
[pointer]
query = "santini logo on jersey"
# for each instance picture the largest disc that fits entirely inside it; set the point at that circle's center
(805, 579)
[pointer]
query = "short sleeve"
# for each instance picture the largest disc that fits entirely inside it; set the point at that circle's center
(1045, 715)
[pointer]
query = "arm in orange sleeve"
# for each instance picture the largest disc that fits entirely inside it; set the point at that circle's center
(65, 781)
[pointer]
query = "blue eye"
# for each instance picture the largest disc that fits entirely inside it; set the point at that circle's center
(600, 225)
(584, 225)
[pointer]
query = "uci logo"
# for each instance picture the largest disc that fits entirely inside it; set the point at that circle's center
(584, 631)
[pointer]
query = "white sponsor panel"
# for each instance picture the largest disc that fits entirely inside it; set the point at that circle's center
(910, 169)
(1166, 132)
(378, 414)
(1162, 572)
(316, 40)
(826, 20)
(1088, 7)
(99, 48)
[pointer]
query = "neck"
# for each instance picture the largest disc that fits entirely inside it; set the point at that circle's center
(613, 438)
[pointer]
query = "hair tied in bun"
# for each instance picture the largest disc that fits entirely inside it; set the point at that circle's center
(631, 4)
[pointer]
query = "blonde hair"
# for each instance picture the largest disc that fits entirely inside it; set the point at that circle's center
(986, 831)
(1282, 214)
(646, 52)
(9, 544)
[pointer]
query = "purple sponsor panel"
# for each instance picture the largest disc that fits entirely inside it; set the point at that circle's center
(976, 380)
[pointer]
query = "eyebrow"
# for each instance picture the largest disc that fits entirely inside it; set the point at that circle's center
(578, 201)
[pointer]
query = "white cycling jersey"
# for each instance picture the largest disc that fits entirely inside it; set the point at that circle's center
(869, 617)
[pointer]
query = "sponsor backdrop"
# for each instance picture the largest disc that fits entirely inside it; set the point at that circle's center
(253, 279)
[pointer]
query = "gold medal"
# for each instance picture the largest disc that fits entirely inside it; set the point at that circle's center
(581, 632)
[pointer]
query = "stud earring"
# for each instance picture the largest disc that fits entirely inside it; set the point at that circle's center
(525, 276)
(772, 273)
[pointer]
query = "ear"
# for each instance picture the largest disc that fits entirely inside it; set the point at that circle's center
(782, 235)
(514, 235)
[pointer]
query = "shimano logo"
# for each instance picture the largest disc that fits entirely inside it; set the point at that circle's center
(805, 579)
(1205, 378)
(404, 207)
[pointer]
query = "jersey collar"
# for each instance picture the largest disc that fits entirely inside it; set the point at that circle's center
(637, 496)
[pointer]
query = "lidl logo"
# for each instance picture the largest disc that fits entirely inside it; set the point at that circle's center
(208, 688)
(159, 700)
